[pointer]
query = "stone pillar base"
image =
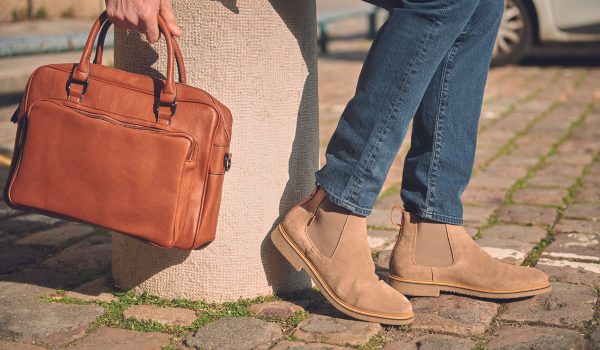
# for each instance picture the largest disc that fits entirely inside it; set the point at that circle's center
(259, 59)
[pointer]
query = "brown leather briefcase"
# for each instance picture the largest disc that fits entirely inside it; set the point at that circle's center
(137, 155)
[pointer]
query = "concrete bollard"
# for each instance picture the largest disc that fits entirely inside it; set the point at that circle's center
(259, 58)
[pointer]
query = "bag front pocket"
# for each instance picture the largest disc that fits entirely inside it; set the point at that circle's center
(94, 168)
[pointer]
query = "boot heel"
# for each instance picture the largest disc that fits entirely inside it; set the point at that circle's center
(415, 289)
(286, 249)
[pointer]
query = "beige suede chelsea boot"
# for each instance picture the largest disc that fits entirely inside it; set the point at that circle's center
(331, 245)
(432, 257)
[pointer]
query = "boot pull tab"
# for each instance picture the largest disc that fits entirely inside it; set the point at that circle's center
(392, 216)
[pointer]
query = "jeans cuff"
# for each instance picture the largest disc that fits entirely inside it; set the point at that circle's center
(446, 219)
(352, 207)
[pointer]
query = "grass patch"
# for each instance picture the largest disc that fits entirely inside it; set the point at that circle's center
(534, 255)
(290, 323)
(376, 342)
(594, 323)
(522, 182)
(513, 106)
(206, 312)
(390, 191)
(512, 142)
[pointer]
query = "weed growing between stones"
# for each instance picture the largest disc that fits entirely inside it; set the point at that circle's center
(376, 342)
(205, 312)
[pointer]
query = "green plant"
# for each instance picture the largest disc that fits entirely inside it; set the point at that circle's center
(376, 342)
(41, 13)
(19, 14)
(68, 12)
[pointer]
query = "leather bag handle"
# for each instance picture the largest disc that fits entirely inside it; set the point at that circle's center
(100, 49)
(78, 82)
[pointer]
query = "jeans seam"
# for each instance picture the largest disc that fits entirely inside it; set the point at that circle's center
(355, 209)
(432, 215)
(356, 181)
(438, 129)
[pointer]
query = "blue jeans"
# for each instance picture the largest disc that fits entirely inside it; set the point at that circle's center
(428, 61)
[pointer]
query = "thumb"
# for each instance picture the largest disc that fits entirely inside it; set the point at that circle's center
(166, 11)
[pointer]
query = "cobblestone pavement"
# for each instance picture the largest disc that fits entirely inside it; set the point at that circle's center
(534, 199)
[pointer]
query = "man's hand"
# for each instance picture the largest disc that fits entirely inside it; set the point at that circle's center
(141, 15)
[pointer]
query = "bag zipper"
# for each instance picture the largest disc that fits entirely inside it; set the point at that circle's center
(113, 121)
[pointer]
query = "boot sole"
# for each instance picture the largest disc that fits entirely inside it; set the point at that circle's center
(293, 255)
(432, 289)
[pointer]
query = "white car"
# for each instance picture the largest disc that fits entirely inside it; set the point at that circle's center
(532, 22)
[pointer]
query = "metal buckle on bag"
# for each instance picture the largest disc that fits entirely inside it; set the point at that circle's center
(227, 161)
(84, 83)
(172, 106)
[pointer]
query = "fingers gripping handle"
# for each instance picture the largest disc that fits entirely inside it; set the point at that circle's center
(177, 51)
(167, 100)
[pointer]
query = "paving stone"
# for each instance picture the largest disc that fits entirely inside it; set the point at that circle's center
(6, 345)
(566, 304)
(573, 147)
(294, 345)
(472, 231)
(513, 172)
(580, 159)
(431, 342)
(99, 289)
(380, 238)
(453, 314)
(13, 258)
(527, 215)
(45, 278)
(235, 333)
(527, 234)
(593, 178)
(122, 339)
(550, 181)
(278, 309)
(583, 211)
(25, 318)
(513, 160)
(381, 218)
(27, 223)
(383, 259)
(170, 316)
(5, 238)
(571, 271)
(57, 237)
(477, 216)
(85, 258)
(511, 243)
(577, 246)
(337, 331)
(537, 338)
(560, 169)
(389, 202)
(587, 193)
(6, 211)
(595, 339)
(525, 148)
(483, 196)
(578, 226)
(540, 196)
(492, 180)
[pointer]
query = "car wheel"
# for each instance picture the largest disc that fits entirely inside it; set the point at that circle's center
(515, 35)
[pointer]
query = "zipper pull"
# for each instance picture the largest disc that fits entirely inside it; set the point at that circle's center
(15, 116)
